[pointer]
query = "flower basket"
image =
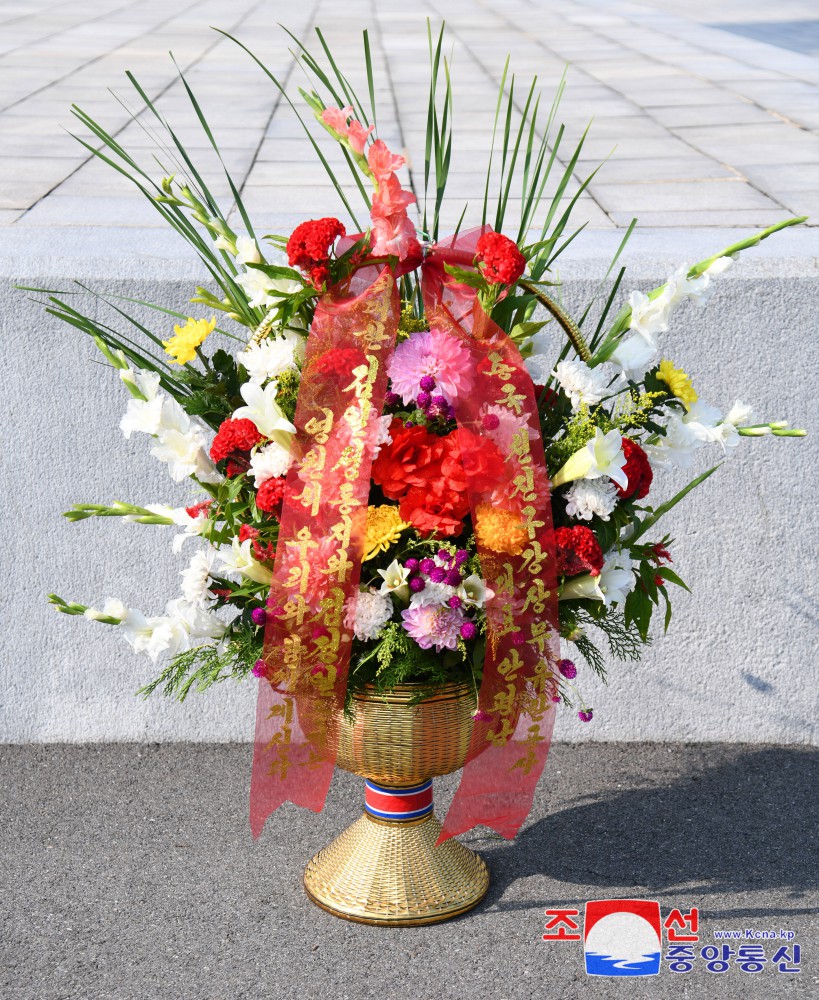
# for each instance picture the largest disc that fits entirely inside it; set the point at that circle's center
(385, 868)
(416, 473)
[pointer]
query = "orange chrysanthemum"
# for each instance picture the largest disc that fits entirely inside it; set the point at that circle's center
(500, 530)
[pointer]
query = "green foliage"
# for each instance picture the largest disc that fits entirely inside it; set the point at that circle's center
(200, 668)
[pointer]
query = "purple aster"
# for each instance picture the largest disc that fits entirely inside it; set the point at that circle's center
(411, 565)
(422, 400)
(461, 557)
(490, 422)
(430, 353)
(455, 601)
(433, 625)
(391, 399)
(259, 616)
(258, 668)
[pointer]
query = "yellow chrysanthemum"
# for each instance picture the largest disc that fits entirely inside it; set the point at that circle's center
(500, 530)
(384, 527)
(678, 383)
(182, 346)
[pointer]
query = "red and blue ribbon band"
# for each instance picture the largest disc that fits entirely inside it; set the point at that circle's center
(398, 804)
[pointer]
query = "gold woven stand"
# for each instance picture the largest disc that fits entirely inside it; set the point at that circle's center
(379, 872)
(389, 872)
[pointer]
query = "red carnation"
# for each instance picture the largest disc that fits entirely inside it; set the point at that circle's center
(413, 458)
(502, 262)
(339, 361)
(310, 243)
(435, 507)
(270, 495)
(578, 551)
(637, 470)
(234, 435)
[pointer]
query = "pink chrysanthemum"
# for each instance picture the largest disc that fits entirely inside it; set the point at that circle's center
(434, 625)
(432, 353)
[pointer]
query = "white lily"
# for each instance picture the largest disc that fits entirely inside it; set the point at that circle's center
(238, 561)
(395, 580)
(602, 456)
(263, 410)
(612, 586)
(473, 591)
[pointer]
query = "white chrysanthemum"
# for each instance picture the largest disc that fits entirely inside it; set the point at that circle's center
(372, 612)
(196, 577)
(270, 462)
(433, 593)
(268, 359)
(591, 497)
(581, 383)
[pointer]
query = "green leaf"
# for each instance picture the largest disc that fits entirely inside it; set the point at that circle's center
(648, 522)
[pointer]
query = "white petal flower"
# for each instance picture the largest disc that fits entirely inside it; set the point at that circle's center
(588, 498)
(142, 415)
(612, 586)
(268, 359)
(372, 612)
(473, 591)
(182, 445)
(739, 414)
(262, 290)
(382, 434)
(433, 593)
(539, 367)
(581, 383)
(634, 356)
(196, 577)
(263, 410)
(270, 462)
(396, 580)
(193, 622)
(247, 252)
(676, 448)
(238, 562)
(602, 456)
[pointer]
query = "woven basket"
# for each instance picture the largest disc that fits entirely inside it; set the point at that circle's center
(381, 871)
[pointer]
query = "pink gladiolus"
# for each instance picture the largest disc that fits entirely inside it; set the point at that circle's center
(395, 237)
(391, 199)
(382, 162)
(353, 131)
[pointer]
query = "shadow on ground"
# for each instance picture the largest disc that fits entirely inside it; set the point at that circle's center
(749, 824)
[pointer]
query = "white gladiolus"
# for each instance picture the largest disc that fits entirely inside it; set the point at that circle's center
(247, 251)
(602, 456)
(263, 410)
(144, 415)
(182, 445)
(634, 356)
(739, 414)
(262, 290)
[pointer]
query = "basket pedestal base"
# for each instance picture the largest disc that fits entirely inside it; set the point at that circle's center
(391, 873)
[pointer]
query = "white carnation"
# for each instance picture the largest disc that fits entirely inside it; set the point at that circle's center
(270, 462)
(372, 612)
(196, 577)
(590, 497)
(268, 359)
(382, 434)
(581, 383)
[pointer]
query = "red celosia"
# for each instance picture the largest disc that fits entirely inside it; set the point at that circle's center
(637, 470)
(660, 554)
(578, 551)
(270, 494)
(502, 262)
(309, 244)
(247, 531)
(234, 435)
(339, 361)
(234, 468)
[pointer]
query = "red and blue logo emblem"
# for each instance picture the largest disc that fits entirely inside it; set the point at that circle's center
(623, 937)
(398, 804)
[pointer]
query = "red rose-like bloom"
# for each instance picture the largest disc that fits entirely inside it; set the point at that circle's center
(309, 245)
(578, 551)
(503, 263)
(234, 435)
(270, 494)
(413, 458)
(637, 470)
(467, 453)
(339, 361)
(435, 507)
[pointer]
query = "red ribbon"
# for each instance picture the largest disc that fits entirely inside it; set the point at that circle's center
(318, 558)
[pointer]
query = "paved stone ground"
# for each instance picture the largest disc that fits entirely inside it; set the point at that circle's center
(128, 872)
(714, 109)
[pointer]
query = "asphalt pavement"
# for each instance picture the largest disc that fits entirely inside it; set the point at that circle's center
(129, 872)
